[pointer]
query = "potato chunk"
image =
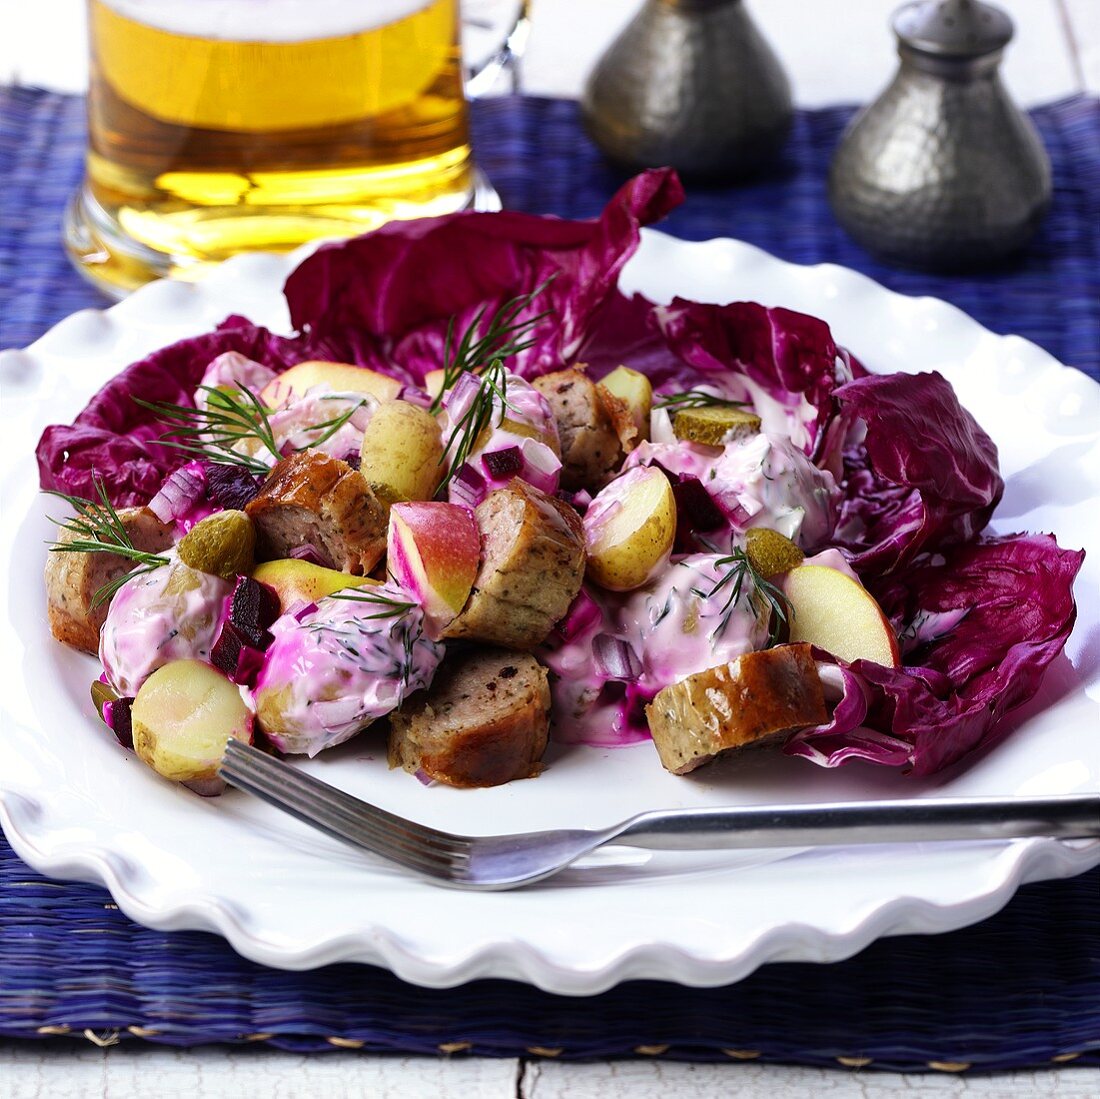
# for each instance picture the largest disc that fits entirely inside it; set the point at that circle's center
(183, 715)
(401, 452)
(629, 529)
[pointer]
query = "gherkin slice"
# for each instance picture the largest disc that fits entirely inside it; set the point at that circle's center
(714, 425)
(770, 553)
(222, 544)
(102, 693)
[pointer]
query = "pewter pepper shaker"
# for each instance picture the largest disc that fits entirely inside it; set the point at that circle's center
(690, 83)
(943, 170)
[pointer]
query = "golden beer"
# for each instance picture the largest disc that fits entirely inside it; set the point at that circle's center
(222, 126)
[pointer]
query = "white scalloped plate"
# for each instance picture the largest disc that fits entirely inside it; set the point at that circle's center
(74, 805)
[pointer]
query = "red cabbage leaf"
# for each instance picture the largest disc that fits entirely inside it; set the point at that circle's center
(115, 438)
(385, 299)
(1017, 592)
(790, 355)
(924, 477)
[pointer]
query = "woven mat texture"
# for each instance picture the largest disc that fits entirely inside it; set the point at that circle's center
(1021, 989)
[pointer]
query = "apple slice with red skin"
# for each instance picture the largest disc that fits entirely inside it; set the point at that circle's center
(340, 377)
(837, 614)
(433, 551)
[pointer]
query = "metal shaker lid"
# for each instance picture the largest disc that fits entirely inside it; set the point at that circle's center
(953, 28)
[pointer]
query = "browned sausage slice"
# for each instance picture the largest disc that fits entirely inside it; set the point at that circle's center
(757, 698)
(532, 565)
(589, 422)
(482, 722)
(72, 579)
(312, 498)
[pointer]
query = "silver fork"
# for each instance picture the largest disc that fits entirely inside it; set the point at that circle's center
(505, 862)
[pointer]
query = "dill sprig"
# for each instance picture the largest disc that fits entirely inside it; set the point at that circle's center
(216, 432)
(740, 570)
(328, 428)
(493, 383)
(693, 398)
(99, 529)
(504, 336)
(389, 607)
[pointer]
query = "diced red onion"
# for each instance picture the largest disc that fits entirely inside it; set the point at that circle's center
(413, 394)
(181, 493)
(541, 466)
(615, 658)
(423, 778)
(312, 553)
(503, 464)
(582, 614)
(300, 610)
(467, 487)
(458, 399)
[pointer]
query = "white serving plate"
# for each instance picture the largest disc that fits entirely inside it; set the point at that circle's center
(75, 805)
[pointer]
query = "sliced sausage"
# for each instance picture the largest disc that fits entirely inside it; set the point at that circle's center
(589, 424)
(313, 498)
(72, 579)
(532, 565)
(483, 721)
(758, 698)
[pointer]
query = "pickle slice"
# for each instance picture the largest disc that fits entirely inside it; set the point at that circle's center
(770, 553)
(714, 425)
(222, 544)
(102, 693)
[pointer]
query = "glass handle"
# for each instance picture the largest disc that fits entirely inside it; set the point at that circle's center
(484, 78)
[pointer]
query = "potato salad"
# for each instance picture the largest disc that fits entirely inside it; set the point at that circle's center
(480, 501)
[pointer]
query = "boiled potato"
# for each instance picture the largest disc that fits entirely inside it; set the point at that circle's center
(634, 390)
(183, 715)
(401, 452)
(629, 529)
(222, 544)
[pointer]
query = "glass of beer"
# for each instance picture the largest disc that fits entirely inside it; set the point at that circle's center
(223, 126)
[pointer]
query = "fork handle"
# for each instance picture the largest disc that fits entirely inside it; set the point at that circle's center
(1064, 816)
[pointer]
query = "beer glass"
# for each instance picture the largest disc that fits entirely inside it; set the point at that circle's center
(222, 126)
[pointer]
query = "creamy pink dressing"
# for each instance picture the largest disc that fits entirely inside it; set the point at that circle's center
(834, 559)
(174, 612)
(332, 671)
(928, 626)
(758, 481)
(679, 624)
(297, 426)
(526, 408)
(231, 368)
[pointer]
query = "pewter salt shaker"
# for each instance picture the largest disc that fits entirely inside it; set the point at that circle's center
(943, 170)
(690, 83)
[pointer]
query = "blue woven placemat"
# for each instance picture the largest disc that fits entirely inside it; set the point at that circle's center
(1021, 989)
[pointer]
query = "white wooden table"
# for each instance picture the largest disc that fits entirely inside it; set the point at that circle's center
(836, 51)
